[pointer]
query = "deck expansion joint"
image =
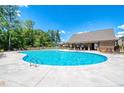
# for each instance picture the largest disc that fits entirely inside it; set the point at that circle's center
(42, 78)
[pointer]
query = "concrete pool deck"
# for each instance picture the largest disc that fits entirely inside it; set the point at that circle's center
(14, 72)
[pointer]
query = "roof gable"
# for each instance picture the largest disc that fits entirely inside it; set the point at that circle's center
(94, 36)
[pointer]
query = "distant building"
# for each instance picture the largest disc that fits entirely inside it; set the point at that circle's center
(102, 40)
(121, 44)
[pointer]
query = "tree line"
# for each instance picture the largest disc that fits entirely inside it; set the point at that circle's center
(20, 34)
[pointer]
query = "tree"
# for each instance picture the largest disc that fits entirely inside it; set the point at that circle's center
(54, 36)
(2, 18)
(18, 34)
(8, 15)
(122, 37)
(29, 24)
(58, 39)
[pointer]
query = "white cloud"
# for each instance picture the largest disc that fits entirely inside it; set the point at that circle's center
(18, 13)
(62, 32)
(121, 27)
(63, 40)
(120, 34)
(23, 6)
(26, 5)
(82, 32)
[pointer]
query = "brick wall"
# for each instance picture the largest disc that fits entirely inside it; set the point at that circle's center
(107, 46)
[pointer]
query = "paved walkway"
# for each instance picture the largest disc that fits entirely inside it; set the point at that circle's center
(15, 72)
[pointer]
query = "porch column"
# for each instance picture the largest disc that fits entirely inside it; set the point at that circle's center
(88, 46)
(80, 47)
(74, 47)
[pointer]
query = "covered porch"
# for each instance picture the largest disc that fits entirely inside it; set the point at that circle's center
(83, 46)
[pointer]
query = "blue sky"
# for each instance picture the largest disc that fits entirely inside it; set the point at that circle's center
(70, 19)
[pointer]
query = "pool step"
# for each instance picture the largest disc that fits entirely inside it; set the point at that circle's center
(33, 60)
(35, 65)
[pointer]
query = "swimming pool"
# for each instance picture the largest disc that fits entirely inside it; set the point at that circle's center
(62, 58)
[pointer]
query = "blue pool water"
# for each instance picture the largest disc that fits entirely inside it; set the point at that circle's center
(62, 58)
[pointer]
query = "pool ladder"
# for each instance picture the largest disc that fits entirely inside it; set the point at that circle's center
(35, 60)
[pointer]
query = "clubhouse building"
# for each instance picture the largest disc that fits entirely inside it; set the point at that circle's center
(101, 40)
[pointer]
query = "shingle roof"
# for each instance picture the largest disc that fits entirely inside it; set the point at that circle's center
(94, 36)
